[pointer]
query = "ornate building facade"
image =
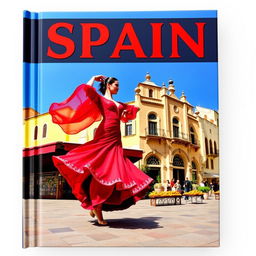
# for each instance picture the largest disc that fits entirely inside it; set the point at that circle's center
(167, 130)
(209, 136)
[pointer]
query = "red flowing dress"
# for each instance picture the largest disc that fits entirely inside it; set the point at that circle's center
(98, 171)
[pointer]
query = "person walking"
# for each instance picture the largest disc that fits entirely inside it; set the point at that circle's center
(187, 186)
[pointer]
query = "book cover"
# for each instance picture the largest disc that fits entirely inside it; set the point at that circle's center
(121, 142)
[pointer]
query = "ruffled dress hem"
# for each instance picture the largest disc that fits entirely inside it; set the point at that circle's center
(128, 193)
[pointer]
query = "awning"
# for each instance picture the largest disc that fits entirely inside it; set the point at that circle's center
(48, 148)
(210, 175)
(133, 154)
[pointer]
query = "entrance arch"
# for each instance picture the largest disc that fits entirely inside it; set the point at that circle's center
(178, 169)
(154, 168)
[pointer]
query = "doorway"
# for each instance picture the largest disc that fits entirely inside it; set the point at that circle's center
(179, 174)
(154, 173)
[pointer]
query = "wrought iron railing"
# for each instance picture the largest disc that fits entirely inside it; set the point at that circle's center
(155, 132)
(180, 135)
(168, 134)
(215, 152)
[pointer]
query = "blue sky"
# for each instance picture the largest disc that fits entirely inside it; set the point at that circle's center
(57, 81)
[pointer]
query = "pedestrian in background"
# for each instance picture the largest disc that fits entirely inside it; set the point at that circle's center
(168, 186)
(187, 186)
(177, 186)
(172, 184)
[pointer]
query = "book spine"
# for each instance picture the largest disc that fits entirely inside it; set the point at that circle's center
(30, 98)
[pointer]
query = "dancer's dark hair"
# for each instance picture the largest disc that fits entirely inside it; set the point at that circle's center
(103, 85)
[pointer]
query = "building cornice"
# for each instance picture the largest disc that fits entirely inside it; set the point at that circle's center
(37, 116)
(178, 100)
(192, 117)
(150, 85)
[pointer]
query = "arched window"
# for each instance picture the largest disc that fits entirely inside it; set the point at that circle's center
(36, 133)
(153, 160)
(207, 164)
(152, 124)
(211, 151)
(192, 136)
(215, 148)
(128, 128)
(175, 124)
(150, 93)
(152, 116)
(194, 172)
(44, 130)
(177, 161)
(212, 165)
(206, 146)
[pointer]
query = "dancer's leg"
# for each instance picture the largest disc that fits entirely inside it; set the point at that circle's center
(92, 213)
(98, 212)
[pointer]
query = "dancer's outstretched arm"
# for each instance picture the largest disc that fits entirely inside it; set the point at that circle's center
(98, 78)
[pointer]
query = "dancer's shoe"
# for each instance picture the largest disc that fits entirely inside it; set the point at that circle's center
(92, 213)
(102, 223)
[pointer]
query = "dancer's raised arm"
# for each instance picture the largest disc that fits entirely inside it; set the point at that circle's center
(98, 78)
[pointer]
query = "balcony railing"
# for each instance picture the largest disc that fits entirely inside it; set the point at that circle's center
(213, 154)
(180, 137)
(156, 132)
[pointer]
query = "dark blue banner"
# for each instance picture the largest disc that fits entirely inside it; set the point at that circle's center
(120, 40)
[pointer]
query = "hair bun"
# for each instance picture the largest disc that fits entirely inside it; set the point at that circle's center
(104, 82)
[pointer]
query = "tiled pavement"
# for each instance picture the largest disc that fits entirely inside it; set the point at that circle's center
(66, 223)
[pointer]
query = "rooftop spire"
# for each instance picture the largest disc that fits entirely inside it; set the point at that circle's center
(148, 77)
(171, 87)
(183, 97)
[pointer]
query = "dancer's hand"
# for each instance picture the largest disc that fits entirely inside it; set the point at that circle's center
(99, 78)
(124, 113)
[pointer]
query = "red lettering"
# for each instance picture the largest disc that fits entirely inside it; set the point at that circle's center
(61, 40)
(178, 31)
(87, 42)
(156, 40)
(134, 46)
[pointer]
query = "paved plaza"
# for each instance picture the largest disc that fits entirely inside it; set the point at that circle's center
(65, 223)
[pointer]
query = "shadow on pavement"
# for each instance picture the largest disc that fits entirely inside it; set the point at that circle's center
(135, 223)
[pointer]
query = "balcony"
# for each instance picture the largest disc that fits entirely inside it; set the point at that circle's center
(195, 145)
(183, 139)
(177, 138)
(155, 133)
(213, 154)
(180, 138)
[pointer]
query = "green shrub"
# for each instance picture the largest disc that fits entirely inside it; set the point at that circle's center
(204, 189)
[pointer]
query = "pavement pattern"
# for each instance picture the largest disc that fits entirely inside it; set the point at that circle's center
(64, 223)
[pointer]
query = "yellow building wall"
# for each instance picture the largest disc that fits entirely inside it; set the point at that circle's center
(210, 131)
(53, 132)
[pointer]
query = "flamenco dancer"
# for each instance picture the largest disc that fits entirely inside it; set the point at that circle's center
(102, 178)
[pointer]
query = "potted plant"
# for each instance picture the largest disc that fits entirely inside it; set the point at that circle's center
(158, 187)
(205, 190)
